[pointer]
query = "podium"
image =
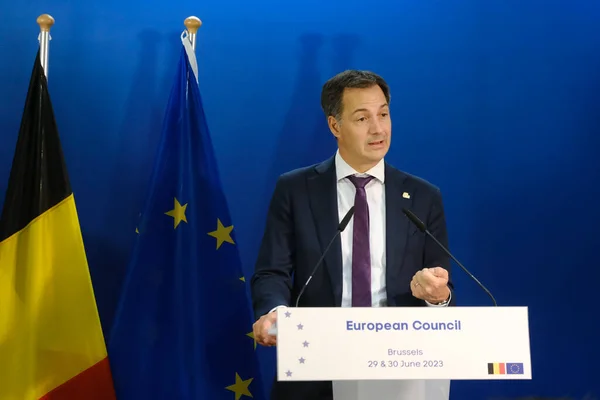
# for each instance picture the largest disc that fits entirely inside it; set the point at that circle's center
(395, 343)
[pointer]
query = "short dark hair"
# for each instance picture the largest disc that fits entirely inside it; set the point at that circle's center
(333, 89)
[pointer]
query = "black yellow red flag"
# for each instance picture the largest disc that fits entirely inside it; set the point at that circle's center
(51, 341)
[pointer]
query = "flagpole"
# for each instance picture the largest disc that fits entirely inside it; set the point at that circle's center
(192, 24)
(45, 21)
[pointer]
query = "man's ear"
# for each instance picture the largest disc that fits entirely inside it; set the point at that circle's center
(334, 126)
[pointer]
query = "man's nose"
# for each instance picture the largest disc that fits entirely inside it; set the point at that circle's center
(376, 127)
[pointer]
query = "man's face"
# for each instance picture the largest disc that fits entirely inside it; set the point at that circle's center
(365, 127)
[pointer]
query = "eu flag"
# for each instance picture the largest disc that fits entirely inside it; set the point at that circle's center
(183, 325)
(514, 368)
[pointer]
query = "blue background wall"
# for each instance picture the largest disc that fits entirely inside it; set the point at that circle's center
(497, 102)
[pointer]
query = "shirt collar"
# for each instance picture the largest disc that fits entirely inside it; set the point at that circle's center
(343, 170)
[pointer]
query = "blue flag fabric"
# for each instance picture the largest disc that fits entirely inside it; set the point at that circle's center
(183, 325)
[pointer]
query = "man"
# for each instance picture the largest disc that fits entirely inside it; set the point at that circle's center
(380, 259)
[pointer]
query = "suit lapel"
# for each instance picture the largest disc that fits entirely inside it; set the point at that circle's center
(397, 225)
(322, 192)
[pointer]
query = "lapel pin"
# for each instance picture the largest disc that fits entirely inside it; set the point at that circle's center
(406, 195)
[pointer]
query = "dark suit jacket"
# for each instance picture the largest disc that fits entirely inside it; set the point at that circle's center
(303, 218)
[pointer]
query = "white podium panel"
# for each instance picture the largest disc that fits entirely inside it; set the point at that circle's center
(403, 343)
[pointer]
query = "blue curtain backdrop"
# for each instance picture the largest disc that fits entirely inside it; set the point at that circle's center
(497, 102)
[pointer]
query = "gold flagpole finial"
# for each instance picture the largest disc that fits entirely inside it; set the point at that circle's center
(45, 21)
(192, 24)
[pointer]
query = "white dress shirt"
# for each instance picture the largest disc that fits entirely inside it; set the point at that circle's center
(375, 190)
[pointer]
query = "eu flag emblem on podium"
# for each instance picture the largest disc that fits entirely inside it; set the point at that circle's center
(183, 325)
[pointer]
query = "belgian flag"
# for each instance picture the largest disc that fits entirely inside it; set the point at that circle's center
(496, 368)
(51, 341)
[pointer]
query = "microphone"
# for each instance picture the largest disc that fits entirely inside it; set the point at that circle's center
(340, 229)
(423, 228)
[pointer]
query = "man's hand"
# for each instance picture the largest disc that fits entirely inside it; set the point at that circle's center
(261, 329)
(431, 284)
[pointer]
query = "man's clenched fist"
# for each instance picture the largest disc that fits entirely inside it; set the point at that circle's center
(431, 284)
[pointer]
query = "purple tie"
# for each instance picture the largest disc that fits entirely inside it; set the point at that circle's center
(361, 252)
